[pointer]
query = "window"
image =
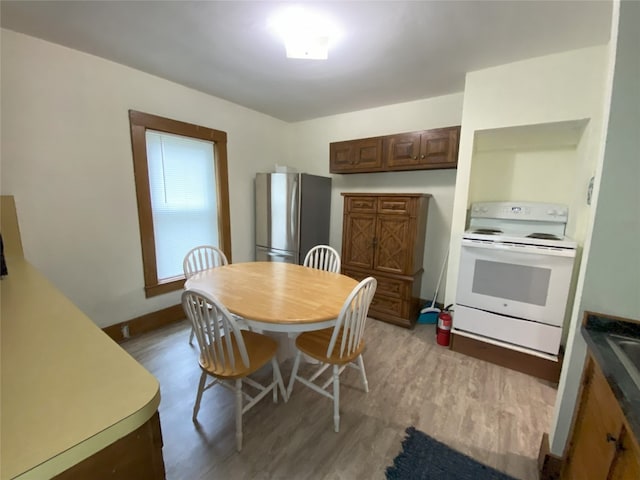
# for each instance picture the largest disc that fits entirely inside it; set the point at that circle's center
(183, 195)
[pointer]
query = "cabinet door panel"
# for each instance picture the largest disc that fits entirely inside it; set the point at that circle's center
(392, 249)
(357, 240)
(393, 287)
(360, 204)
(598, 421)
(363, 155)
(395, 205)
(402, 150)
(627, 465)
(341, 155)
(388, 287)
(440, 147)
(388, 305)
(368, 154)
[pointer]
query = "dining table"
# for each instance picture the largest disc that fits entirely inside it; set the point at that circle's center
(275, 296)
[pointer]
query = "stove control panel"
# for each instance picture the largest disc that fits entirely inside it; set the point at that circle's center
(527, 211)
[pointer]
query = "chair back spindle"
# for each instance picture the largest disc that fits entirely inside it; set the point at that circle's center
(323, 257)
(201, 258)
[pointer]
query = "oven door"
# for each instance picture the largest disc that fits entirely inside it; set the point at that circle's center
(522, 281)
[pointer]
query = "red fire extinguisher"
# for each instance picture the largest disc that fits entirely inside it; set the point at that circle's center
(443, 330)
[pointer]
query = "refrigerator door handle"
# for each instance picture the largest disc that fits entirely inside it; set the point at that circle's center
(294, 220)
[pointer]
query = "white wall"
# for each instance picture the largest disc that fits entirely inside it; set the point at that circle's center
(555, 90)
(308, 149)
(611, 273)
(500, 175)
(66, 157)
(612, 281)
(560, 89)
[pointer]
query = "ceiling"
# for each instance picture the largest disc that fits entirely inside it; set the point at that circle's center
(390, 51)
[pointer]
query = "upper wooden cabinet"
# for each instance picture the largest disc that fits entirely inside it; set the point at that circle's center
(429, 149)
(364, 155)
(423, 150)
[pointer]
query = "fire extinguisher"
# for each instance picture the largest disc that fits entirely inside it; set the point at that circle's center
(443, 330)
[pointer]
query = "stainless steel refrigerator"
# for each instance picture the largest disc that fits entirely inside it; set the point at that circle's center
(292, 215)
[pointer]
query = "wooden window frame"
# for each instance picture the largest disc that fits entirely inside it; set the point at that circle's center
(139, 123)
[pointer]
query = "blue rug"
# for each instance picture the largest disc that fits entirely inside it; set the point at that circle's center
(424, 458)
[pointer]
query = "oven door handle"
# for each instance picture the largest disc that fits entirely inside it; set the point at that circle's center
(518, 248)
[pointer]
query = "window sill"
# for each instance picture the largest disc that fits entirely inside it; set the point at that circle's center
(167, 286)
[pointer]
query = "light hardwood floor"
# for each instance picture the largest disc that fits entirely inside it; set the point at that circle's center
(493, 414)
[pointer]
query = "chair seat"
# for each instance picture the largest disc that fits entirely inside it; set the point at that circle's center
(260, 349)
(315, 345)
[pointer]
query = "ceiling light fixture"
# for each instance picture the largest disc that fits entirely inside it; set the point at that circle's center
(305, 34)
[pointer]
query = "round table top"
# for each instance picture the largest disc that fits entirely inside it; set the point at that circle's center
(276, 293)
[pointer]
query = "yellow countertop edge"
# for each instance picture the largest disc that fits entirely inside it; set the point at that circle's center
(94, 444)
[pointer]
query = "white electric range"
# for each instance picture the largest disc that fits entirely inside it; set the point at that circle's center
(516, 266)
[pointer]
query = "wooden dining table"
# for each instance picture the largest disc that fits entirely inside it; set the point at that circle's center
(277, 297)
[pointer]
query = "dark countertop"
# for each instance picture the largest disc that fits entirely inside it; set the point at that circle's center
(595, 332)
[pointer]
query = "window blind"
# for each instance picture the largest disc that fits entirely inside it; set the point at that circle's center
(183, 197)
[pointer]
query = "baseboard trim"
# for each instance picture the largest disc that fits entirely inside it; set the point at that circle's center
(505, 357)
(145, 323)
(549, 465)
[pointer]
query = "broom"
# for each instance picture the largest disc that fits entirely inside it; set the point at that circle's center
(432, 308)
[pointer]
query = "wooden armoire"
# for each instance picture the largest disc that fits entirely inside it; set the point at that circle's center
(383, 237)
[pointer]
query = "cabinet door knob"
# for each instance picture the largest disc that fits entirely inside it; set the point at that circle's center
(414, 157)
(422, 156)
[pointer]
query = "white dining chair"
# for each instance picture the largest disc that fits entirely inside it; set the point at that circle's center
(339, 347)
(323, 257)
(230, 355)
(200, 258)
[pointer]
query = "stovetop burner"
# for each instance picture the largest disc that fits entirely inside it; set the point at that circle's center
(487, 231)
(544, 236)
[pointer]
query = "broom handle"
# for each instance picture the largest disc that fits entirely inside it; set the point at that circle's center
(444, 264)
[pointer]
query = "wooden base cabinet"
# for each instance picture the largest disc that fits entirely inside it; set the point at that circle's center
(383, 237)
(137, 455)
(601, 445)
